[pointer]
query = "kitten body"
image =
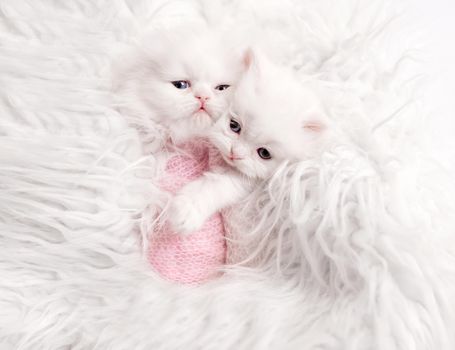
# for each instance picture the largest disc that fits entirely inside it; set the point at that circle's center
(272, 119)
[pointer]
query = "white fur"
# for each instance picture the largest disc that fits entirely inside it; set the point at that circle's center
(364, 258)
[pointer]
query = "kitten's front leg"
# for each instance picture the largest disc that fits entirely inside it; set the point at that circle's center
(198, 200)
(185, 216)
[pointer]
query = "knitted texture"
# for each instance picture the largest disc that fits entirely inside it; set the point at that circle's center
(196, 257)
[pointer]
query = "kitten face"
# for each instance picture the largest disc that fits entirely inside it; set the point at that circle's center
(188, 81)
(272, 119)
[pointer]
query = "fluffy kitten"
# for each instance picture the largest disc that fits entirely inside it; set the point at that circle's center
(177, 82)
(272, 119)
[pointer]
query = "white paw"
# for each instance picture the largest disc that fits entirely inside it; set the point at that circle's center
(184, 216)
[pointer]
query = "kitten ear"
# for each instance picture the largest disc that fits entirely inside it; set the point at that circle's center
(250, 59)
(315, 124)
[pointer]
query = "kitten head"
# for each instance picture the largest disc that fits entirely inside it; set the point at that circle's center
(272, 118)
(187, 79)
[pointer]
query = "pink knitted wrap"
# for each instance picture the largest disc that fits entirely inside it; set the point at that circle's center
(196, 257)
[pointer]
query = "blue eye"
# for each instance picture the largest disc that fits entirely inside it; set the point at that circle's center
(235, 126)
(181, 84)
(222, 87)
(264, 153)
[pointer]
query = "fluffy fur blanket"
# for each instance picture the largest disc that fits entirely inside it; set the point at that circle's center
(352, 251)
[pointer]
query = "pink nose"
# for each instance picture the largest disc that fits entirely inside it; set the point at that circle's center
(233, 156)
(202, 98)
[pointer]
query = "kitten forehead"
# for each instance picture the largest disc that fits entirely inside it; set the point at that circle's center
(282, 135)
(195, 54)
(279, 95)
(269, 90)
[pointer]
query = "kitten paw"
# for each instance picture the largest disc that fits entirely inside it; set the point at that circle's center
(184, 216)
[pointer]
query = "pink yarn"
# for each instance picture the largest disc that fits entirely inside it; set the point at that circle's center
(196, 257)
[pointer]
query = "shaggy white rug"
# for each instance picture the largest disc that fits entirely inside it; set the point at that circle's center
(362, 253)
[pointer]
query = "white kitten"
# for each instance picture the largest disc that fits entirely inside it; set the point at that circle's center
(177, 82)
(272, 119)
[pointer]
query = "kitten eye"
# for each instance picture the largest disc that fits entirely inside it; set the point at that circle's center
(264, 153)
(222, 87)
(235, 126)
(181, 84)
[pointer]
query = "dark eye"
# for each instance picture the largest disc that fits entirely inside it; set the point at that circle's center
(235, 126)
(264, 153)
(181, 84)
(222, 87)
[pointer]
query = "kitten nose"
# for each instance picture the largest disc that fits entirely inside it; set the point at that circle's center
(202, 98)
(233, 156)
